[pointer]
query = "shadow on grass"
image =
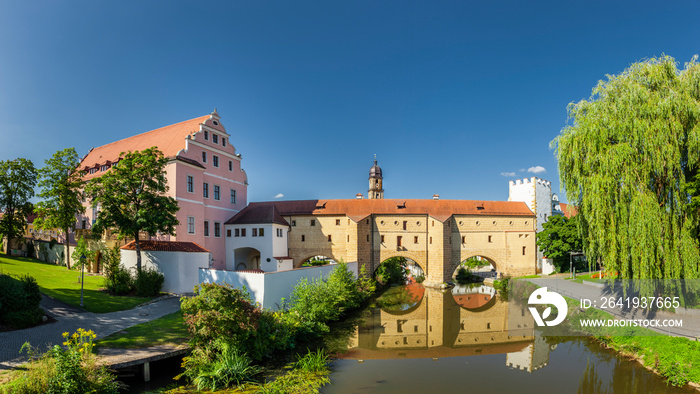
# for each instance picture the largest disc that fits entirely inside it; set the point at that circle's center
(97, 301)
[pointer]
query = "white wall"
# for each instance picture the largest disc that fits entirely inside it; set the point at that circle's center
(253, 281)
(269, 245)
(269, 288)
(180, 269)
(548, 266)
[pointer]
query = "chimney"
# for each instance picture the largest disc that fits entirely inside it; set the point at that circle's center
(358, 196)
(436, 196)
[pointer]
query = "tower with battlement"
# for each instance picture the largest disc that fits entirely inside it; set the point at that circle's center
(536, 193)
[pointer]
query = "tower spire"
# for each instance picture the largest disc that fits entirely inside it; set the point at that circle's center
(376, 190)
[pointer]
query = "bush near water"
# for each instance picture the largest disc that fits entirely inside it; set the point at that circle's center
(230, 334)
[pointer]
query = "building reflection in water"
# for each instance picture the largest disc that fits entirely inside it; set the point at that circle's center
(414, 322)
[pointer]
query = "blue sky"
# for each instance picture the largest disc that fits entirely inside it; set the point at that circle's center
(449, 95)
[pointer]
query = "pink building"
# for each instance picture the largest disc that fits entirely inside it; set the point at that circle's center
(204, 175)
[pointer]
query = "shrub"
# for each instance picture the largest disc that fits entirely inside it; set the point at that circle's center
(73, 370)
(117, 278)
(229, 367)
(148, 282)
(365, 284)
(315, 302)
(312, 361)
(226, 313)
(20, 301)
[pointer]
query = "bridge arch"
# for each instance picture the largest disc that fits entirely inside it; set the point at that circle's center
(308, 256)
(418, 258)
(490, 257)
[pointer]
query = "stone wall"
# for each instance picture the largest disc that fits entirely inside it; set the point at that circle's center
(437, 246)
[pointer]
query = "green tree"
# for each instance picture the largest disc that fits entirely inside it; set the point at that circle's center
(558, 237)
(391, 271)
(131, 197)
(62, 183)
(625, 161)
(83, 249)
(17, 180)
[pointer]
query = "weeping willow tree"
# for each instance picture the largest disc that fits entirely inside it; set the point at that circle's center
(629, 160)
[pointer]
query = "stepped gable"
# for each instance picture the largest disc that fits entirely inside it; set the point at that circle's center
(169, 140)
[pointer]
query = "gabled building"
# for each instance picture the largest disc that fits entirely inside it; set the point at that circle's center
(204, 175)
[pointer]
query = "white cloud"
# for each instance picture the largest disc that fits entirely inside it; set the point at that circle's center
(280, 195)
(522, 170)
(508, 174)
(536, 169)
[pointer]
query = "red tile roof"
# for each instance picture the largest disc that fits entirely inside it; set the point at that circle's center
(166, 246)
(568, 209)
(169, 140)
(359, 209)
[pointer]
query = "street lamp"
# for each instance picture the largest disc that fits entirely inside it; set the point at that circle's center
(82, 278)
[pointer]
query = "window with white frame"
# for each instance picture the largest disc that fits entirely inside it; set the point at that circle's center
(190, 225)
(237, 232)
(233, 196)
(254, 232)
(206, 228)
(217, 229)
(190, 183)
(205, 190)
(217, 193)
(206, 135)
(215, 160)
(223, 141)
(230, 165)
(204, 157)
(215, 138)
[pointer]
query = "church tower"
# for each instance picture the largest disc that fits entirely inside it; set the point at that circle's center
(375, 182)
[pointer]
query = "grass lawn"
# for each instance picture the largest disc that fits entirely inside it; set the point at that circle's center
(64, 285)
(169, 329)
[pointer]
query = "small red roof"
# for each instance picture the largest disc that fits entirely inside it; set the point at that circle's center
(166, 246)
(568, 209)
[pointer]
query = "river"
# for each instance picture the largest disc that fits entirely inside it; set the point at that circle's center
(417, 340)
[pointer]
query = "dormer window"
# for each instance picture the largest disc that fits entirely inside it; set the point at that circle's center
(104, 167)
(206, 135)
(215, 138)
(93, 170)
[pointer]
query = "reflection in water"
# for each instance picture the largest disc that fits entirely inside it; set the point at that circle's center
(470, 320)
(444, 342)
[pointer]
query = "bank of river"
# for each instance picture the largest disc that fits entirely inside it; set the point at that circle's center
(432, 341)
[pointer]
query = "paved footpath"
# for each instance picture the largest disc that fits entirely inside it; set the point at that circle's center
(691, 323)
(70, 318)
